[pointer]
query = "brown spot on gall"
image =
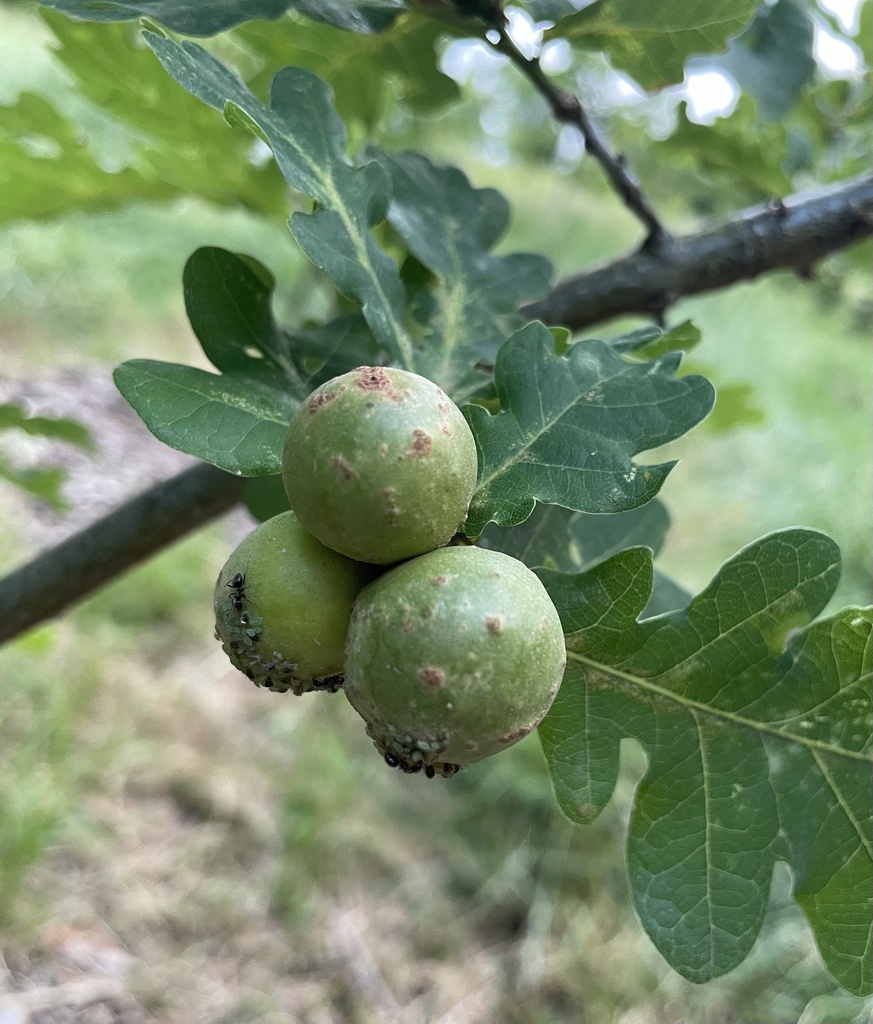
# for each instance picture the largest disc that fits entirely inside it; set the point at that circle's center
(345, 470)
(432, 677)
(383, 450)
(471, 745)
(494, 624)
(422, 443)
(439, 581)
(519, 734)
(446, 429)
(375, 378)
(320, 399)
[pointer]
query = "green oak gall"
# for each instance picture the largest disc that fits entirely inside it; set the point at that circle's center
(452, 657)
(380, 465)
(282, 607)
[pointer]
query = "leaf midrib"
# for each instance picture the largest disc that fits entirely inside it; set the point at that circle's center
(718, 714)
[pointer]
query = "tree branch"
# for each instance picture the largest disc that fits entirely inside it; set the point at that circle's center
(74, 568)
(792, 234)
(568, 109)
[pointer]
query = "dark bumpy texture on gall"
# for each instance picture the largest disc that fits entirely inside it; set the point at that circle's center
(452, 657)
(380, 465)
(282, 607)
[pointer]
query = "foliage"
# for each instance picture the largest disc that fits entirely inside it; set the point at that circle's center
(754, 716)
(44, 483)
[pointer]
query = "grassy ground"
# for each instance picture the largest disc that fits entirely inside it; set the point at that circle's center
(211, 853)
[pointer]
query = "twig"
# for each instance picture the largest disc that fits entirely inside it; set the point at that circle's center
(65, 574)
(568, 109)
(794, 234)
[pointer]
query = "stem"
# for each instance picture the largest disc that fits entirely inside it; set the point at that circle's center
(79, 565)
(568, 109)
(795, 234)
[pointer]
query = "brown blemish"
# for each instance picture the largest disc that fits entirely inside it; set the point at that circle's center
(439, 581)
(345, 470)
(494, 624)
(321, 399)
(519, 734)
(471, 745)
(374, 378)
(383, 450)
(422, 443)
(446, 429)
(443, 406)
(434, 678)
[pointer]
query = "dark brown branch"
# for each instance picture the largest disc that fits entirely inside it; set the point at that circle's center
(65, 574)
(568, 109)
(793, 234)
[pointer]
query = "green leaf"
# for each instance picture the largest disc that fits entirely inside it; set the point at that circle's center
(351, 15)
(568, 541)
(650, 40)
(756, 726)
(228, 300)
(772, 60)
(565, 434)
(558, 538)
(108, 138)
(207, 17)
(308, 141)
(653, 342)
(234, 422)
(60, 428)
(45, 169)
(739, 149)
(336, 347)
(449, 227)
(42, 483)
(366, 72)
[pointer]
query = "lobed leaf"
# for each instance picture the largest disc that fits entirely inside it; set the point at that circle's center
(366, 72)
(739, 148)
(235, 422)
(207, 17)
(558, 538)
(108, 139)
(449, 227)
(45, 169)
(308, 141)
(757, 727)
(651, 40)
(773, 59)
(568, 541)
(652, 342)
(568, 427)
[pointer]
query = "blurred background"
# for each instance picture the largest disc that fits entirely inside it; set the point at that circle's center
(178, 846)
